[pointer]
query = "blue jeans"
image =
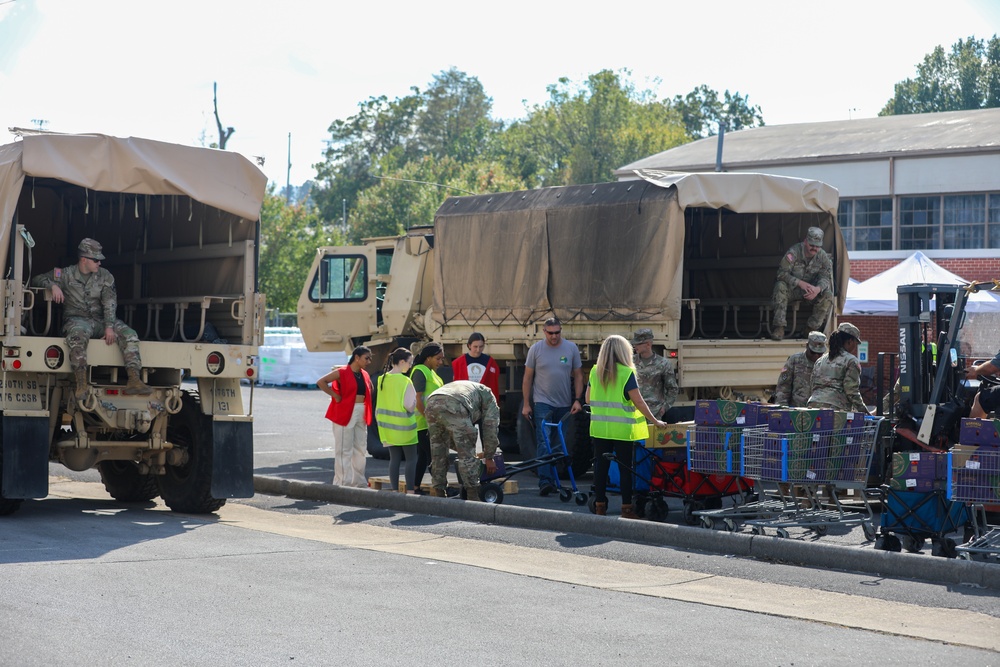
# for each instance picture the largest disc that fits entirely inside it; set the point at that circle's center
(543, 412)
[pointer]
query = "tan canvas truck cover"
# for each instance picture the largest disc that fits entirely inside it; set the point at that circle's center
(224, 180)
(625, 251)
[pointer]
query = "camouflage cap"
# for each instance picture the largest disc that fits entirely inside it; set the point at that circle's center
(642, 336)
(817, 342)
(91, 249)
(850, 329)
(814, 236)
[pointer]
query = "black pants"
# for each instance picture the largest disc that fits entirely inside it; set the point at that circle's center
(623, 450)
(423, 456)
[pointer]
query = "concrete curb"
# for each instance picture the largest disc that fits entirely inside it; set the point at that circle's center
(795, 552)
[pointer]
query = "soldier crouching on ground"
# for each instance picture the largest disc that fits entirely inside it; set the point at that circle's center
(90, 311)
(805, 273)
(795, 380)
(452, 413)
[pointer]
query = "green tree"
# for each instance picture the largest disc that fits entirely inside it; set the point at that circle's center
(966, 77)
(703, 111)
(289, 238)
(583, 133)
(455, 117)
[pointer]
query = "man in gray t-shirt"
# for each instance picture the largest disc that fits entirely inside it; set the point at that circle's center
(548, 394)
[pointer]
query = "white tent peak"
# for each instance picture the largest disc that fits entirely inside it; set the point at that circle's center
(877, 295)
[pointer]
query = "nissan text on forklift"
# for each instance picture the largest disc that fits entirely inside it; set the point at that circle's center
(179, 227)
(935, 348)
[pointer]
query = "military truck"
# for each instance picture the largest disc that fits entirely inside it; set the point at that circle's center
(179, 227)
(691, 256)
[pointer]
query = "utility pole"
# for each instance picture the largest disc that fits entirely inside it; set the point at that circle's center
(288, 174)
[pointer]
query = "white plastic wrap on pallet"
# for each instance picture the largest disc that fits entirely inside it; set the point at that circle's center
(305, 367)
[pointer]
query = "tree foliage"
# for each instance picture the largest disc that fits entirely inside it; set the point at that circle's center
(966, 77)
(395, 161)
(290, 235)
(703, 112)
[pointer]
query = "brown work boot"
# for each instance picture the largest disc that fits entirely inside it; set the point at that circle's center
(600, 509)
(473, 494)
(438, 493)
(628, 512)
(135, 386)
(777, 333)
(82, 387)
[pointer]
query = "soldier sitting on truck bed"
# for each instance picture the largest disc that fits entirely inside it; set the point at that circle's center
(90, 311)
(805, 273)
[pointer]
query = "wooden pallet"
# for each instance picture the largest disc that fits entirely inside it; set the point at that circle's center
(378, 483)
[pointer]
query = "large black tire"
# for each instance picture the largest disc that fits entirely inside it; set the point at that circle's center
(124, 483)
(188, 487)
(7, 505)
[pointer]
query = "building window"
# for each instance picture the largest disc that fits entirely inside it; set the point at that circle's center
(993, 224)
(964, 216)
(919, 223)
(867, 223)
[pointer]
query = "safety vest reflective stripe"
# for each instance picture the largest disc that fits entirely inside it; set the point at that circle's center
(391, 413)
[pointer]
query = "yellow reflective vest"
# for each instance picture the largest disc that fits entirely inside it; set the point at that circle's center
(434, 382)
(612, 416)
(396, 426)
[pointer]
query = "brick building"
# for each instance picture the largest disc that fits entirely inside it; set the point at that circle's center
(928, 182)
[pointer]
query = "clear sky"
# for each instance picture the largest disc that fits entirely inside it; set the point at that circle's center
(144, 68)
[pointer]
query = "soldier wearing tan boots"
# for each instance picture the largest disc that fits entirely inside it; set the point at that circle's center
(90, 311)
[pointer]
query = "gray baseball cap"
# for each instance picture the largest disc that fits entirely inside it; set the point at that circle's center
(91, 249)
(814, 236)
(817, 342)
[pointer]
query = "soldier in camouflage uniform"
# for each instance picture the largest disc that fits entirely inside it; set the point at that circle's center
(452, 413)
(836, 380)
(795, 380)
(90, 311)
(654, 373)
(805, 273)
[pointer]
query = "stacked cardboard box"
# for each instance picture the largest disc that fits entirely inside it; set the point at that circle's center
(793, 446)
(976, 461)
(714, 442)
(919, 471)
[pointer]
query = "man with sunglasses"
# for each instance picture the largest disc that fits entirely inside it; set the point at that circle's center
(804, 274)
(552, 387)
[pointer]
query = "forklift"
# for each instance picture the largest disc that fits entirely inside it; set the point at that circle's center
(925, 408)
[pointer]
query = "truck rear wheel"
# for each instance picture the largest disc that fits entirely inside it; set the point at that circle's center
(7, 505)
(124, 483)
(188, 487)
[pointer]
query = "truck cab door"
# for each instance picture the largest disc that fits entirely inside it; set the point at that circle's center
(339, 301)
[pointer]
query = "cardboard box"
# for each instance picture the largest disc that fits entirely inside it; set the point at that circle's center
(800, 420)
(971, 457)
(727, 413)
(976, 485)
(668, 437)
(980, 432)
(714, 449)
(848, 420)
(919, 471)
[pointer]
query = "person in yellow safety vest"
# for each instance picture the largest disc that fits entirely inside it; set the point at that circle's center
(425, 381)
(396, 415)
(618, 416)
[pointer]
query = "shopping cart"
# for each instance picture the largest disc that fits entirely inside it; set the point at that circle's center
(839, 460)
(974, 479)
(718, 450)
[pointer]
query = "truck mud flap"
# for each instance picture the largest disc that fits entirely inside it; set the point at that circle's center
(25, 457)
(232, 459)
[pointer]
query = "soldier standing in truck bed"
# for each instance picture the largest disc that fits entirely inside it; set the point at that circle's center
(90, 311)
(804, 274)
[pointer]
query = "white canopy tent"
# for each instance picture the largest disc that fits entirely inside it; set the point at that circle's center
(877, 295)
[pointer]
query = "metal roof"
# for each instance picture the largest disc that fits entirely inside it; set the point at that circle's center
(973, 131)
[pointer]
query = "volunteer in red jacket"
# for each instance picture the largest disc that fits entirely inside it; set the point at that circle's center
(350, 391)
(478, 367)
